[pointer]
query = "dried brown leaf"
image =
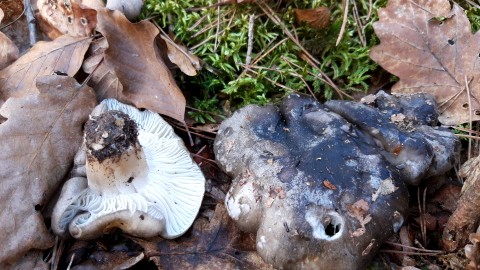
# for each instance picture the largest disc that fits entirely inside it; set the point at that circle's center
(132, 57)
(179, 55)
(318, 18)
(8, 51)
(65, 18)
(429, 45)
(329, 184)
(214, 244)
(40, 137)
(64, 54)
(466, 216)
(14, 25)
(12, 9)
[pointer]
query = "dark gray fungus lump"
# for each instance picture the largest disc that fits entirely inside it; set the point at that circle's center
(323, 185)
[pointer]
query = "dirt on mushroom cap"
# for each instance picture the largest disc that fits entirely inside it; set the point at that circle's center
(110, 135)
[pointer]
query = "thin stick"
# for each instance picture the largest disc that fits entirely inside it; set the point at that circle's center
(301, 78)
(189, 135)
(251, 23)
(215, 46)
(270, 80)
(370, 9)
(309, 72)
(468, 136)
(468, 130)
(408, 252)
(359, 27)
(469, 117)
(71, 258)
(344, 22)
(414, 248)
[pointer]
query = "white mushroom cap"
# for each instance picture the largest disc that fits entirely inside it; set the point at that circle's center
(163, 197)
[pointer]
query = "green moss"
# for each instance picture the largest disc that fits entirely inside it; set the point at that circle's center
(219, 36)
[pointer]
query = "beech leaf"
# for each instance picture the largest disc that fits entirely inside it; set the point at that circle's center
(64, 54)
(132, 56)
(429, 45)
(39, 139)
(65, 17)
(180, 56)
(8, 51)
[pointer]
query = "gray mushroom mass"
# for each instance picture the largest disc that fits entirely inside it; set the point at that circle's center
(324, 185)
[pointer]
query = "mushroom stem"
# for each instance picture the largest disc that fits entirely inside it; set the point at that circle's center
(116, 162)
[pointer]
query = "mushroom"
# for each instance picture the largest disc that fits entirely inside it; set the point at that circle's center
(131, 8)
(324, 185)
(139, 178)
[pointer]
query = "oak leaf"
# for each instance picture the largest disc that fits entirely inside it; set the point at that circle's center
(214, 244)
(64, 54)
(429, 45)
(132, 69)
(39, 139)
(8, 51)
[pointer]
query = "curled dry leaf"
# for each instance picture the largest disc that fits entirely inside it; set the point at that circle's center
(35, 157)
(466, 217)
(214, 244)
(318, 18)
(472, 251)
(179, 55)
(359, 211)
(59, 17)
(64, 54)
(432, 55)
(8, 51)
(132, 69)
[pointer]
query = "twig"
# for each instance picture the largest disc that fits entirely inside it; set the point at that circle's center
(469, 116)
(415, 248)
(370, 10)
(422, 210)
(289, 63)
(215, 46)
(408, 252)
(71, 258)
(344, 21)
(359, 27)
(251, 23)
(185, 128)
(272, 81)
(468, 136)
(188, 133)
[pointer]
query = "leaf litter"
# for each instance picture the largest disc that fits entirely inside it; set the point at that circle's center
(36, 156)
(440, 57)
(133, 58)
(215, 241)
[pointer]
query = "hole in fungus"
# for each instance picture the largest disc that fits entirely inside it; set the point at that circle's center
(451, 41)
(326, 226)
(477, 112)
(83, 21)
(130, 179)
(38, 207)
(465, 105)
(332, 229)
(142, 217)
